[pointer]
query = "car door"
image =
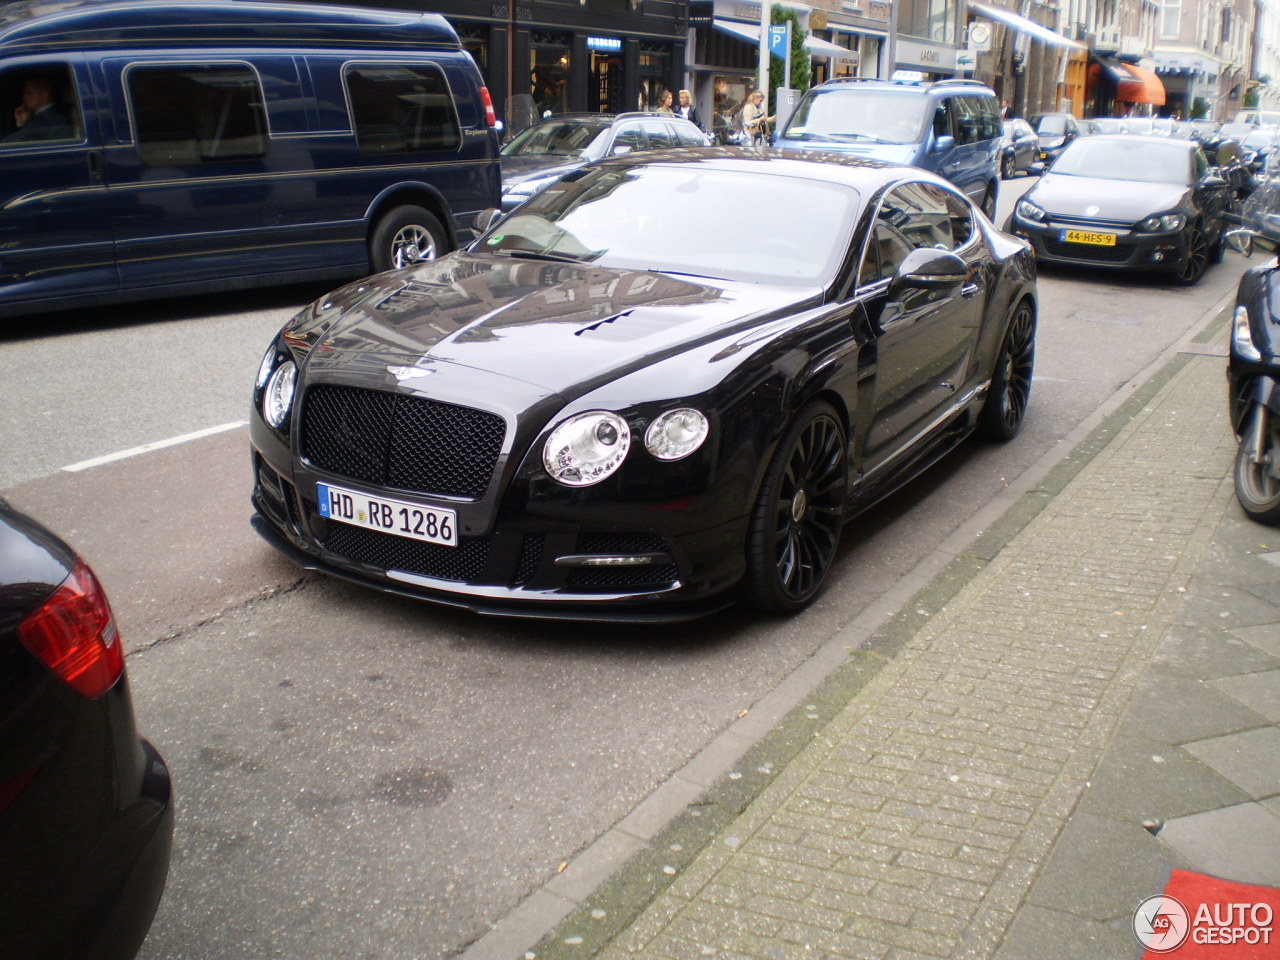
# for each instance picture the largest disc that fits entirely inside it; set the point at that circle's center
(55, 223)
(1213, 195)
(190, 191)
(924, 340)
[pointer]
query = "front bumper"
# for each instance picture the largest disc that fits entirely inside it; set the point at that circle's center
(1131, 250)
(642, 562)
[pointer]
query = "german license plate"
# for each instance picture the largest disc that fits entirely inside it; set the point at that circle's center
(399, 517)
(1089, 236)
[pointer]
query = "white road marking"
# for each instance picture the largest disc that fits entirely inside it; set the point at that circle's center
(148, 447)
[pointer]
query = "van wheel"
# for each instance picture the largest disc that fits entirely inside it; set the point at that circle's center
(405, 236)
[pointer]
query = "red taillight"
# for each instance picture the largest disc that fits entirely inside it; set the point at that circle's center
(490, 117)
(74, 635)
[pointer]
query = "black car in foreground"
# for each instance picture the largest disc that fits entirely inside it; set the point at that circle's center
(1135, 202)
(663, 382)
(86, 821)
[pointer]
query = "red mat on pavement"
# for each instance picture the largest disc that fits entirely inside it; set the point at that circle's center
(1218, 920)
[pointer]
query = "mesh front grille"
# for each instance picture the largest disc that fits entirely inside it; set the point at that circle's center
(649, 575)
(411, 443)
(1120, 253)
(463, 563)
(621, 543)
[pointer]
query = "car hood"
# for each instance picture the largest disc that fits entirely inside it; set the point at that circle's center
(485, 322)
(515, 169)
(1115, 199)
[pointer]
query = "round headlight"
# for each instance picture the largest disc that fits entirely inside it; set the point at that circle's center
(676, 434)
(587, 448)
(1168, 223)
(278, 396)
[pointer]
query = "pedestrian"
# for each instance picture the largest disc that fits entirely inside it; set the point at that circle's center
(755, 122)
(1004, 109)
(664, 102)
(688, 110)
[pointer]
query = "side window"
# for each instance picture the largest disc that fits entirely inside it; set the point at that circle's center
(885, 253)
(629, 136)
(990, 117)
(942, 119)
(661, 136)
(687, 137)
(967, 121)
(961, 216)
(38, 104)
(197, 113)
(911, 216)
(401, 108)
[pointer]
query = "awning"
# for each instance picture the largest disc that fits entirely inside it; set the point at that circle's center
(1023, 25)
(1144, 86)
(815, 46)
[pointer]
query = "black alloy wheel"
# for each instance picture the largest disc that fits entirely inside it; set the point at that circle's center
(1008, 167)
(1258, 484)
(1197, 259)
(405, 236)
(1010, 391)
(799, 512)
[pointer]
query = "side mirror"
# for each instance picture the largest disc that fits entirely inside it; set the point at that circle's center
(486, 219)
(620, 149)
(927, 268)
(1038, 169)
(944, 143)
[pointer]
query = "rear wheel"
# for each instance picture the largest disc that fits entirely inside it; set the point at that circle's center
(1196, 261)
(405, 236)
(1010, 391)
(799, 511)
(1008, 167)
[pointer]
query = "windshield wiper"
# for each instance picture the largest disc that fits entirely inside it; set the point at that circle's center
(531, 255)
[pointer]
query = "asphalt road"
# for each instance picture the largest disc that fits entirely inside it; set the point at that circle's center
(366, 777)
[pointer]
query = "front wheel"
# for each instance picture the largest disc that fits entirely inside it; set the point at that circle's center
(799, 511)
(1257, 479)
(1010, 391)
(1008, 167)
(1197, 259)
(989, 203)
(405, 236)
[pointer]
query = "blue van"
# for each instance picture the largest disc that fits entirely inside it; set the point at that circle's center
(950, 127)
(154, 149)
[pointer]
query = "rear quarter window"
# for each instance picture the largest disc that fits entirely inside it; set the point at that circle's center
(401, 108)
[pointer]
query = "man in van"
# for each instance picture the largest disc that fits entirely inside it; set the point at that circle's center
(39, 117)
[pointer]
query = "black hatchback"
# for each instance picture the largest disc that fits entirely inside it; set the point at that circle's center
(86, 821)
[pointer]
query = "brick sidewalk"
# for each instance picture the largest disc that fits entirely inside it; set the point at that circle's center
(914, 823)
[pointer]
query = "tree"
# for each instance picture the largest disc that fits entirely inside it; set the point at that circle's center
(801, 73)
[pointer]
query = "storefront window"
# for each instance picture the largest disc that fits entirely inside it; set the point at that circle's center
(730, 93)
(655, 62)
(549, 72)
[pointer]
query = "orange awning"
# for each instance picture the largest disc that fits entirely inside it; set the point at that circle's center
(1144, 87)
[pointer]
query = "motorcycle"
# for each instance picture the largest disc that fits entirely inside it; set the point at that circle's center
(1253, 366)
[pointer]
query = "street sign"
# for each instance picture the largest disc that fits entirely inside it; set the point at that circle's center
(778, 45)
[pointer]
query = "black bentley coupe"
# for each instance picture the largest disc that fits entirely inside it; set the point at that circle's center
(663, 383)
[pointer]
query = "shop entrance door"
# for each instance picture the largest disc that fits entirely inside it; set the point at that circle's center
(606, 73)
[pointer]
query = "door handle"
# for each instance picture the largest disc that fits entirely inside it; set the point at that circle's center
(95, 166)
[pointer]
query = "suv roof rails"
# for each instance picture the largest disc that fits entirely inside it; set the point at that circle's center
(959, 81)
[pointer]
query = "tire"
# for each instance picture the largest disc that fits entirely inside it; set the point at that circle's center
(404, 236)
(1192, 269)
(1008, 167)
(1258, 484)
(989, 203)
(1006, 406)
(799, 512)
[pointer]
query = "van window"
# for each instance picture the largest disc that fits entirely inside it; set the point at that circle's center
(196, 113)
(38, 104)
(401, 108)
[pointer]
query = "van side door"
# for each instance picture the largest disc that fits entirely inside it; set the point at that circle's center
(189, 189)
(55, 225)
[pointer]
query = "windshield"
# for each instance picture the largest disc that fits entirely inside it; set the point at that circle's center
(1052, 126)
(866, 116)
(1140, 160)
(555, 138)
(686, 219)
